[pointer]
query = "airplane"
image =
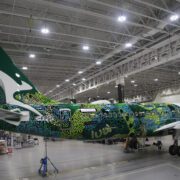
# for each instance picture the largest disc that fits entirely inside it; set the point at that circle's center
(24, 109)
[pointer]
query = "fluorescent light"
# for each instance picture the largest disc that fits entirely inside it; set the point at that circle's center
(25, 68)
(174, 17)
(17, 75)
(85, 47)
(74, 84)
(57, 85)
(156, 79)
(122, 18)
(108, 92)
(83, 79)
(128, 45)
(32, 55)
(67, 80)
(45, 31)
(80, 72)
(132, 81)
(98, 62)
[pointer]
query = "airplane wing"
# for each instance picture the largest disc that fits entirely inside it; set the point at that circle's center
(174, 125)
(13, 117)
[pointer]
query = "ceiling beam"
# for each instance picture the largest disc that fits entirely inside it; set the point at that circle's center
(48, 54)
(135, 13)
(154, 6)
(51, 39)
(48, 47)
(61, 34)
(80, 25)
(51, 61)
(84, 11)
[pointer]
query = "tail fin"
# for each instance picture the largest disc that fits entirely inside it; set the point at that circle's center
(9, 68)
(13, 81)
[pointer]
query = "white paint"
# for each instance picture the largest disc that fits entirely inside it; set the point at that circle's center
(173, 125)
(101, 102)
(9, 86)
(88, 110)
(6, 115)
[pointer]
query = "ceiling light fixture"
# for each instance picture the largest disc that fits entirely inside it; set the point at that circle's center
(122, 18)
(85, 47)
(50, 91)
(32, 55)
(174, 17)
(132, 81)
(57, 85)
(80, 72)
(156, 79)
(45, 31)
(83, 79)
(67, 80)
(108, 92)
(74, 84)
(25, 68)
(135, 85)
(128, 45)
(98, 62)
(116, 86)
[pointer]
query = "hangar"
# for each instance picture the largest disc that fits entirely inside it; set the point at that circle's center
(90, 88)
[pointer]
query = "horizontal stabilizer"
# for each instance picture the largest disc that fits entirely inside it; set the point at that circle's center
(13, 117)
(174, 125)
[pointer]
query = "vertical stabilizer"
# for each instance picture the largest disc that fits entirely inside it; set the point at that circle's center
(13, 81)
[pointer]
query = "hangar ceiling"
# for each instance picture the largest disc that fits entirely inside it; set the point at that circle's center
(69, 36)
(146, 84)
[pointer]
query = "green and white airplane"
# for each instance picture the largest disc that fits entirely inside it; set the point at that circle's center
(25, 110)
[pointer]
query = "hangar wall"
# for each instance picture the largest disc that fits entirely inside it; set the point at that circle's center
(168, 96)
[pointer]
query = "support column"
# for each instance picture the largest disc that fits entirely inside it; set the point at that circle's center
(120, 83)
(120, 93)
(72, 99)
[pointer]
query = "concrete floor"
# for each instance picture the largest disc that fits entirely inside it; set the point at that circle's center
(80, 161)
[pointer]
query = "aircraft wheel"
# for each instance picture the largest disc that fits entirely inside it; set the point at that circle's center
(173, 150)
(178, 151)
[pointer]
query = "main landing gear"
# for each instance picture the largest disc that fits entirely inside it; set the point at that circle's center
(174, 149)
